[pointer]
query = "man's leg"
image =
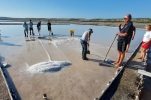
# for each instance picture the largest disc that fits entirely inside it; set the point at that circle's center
(85, 51)
(122, 49)
(25, 32)
(143, 54)
(121, 59)
(127, 47)
(49, 32)
(33, 32)
(82, 49)
(119, 56)
(30, 31)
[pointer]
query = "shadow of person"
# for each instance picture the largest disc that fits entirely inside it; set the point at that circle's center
(135, 65)
(94, 60)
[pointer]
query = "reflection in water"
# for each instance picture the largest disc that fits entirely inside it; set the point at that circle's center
(0, 38)
(2, 59)
(8, 44)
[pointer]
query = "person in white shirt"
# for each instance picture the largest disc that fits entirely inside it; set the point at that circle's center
(146, 43)
(85, 42)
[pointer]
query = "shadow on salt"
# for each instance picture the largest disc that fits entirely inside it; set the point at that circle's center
(50, 66)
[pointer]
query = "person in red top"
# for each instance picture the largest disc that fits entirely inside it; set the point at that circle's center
(146, 43)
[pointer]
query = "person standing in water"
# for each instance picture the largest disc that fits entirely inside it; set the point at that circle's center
(49, 28)
(25, 25)
(84, 43)
(39, 27)
(122, 39)
(31, 28)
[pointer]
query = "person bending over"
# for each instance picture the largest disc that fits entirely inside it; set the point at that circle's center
(84, 42)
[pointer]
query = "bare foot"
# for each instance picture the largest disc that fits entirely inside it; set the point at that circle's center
(139, 57)
(114, 63)
(117, 65)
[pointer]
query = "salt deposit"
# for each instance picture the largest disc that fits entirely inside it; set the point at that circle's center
(62, 40)
(49, 66)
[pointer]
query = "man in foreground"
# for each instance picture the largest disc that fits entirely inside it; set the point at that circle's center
(123, 39)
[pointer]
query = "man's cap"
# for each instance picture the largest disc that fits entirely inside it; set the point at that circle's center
(91, 30)
(129, 16)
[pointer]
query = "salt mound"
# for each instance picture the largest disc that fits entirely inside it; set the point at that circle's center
(50, 66)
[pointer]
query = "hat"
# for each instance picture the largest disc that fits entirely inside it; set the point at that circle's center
(91, 30)
(129, 16)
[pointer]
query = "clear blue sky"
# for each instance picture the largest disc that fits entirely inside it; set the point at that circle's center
(75, 8)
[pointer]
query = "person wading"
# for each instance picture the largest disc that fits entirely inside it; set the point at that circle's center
(49, 28)
(25, 25)
(31, 28)
(85, 42)
(39, 27)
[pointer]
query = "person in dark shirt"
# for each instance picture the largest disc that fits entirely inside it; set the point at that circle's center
(31, 28)
(130, 36)
(39, 27)
(49, 28)
(25, 25)
(123, 35)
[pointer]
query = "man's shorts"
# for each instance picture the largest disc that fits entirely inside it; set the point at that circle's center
(30, 28)
(121, 45)
(129, 38)
(49, 28)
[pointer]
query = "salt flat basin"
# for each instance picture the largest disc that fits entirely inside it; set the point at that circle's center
(82, 80)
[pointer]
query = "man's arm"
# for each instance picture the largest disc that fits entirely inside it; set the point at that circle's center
(120, 27)
(89, 35)
(133, 35)
(122, 34)
(134, 31)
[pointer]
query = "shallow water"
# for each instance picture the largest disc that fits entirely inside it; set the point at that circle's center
(103, 35)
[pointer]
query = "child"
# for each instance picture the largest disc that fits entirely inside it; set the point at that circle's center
(72, 33)
(146, 43)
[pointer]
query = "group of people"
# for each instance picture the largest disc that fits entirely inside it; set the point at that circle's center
(125, 35)
(31, 30)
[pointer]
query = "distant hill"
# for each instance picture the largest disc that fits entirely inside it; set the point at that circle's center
(138, 20)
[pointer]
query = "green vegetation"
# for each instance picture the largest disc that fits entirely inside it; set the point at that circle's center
(138, 22)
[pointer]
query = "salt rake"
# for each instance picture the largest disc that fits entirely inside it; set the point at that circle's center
(107, 62)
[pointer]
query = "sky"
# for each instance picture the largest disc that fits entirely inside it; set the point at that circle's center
(75, 8)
